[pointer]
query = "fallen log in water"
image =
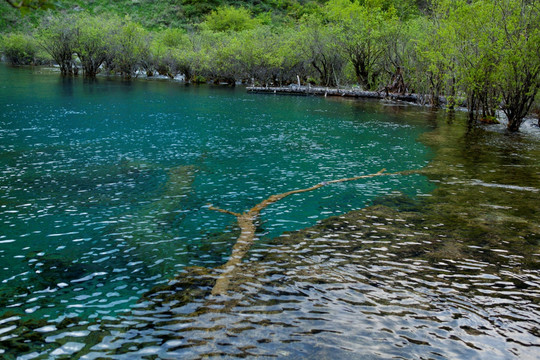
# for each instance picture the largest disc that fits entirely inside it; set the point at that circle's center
(247, 220)
(325, 91)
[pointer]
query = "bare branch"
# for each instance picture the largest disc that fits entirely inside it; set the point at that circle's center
(211, 207)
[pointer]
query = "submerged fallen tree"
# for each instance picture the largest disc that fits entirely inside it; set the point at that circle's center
(247, 220)
(356, 93)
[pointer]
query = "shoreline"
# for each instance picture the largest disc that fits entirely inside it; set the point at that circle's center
(528, 127)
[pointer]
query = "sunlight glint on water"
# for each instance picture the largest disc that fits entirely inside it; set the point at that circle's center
(105, 183)
(104, 193)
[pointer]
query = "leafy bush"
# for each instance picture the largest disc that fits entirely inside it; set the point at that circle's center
(229, 18)
(170, 53)
(58, 38)
(93, 36)
(19, 49)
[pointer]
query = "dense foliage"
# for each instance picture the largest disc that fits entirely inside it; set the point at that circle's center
(19, 49)
(484, 54)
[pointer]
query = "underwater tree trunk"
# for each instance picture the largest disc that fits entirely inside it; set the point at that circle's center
(247, 220)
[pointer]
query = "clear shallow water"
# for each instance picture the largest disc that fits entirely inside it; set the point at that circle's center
(104, 192)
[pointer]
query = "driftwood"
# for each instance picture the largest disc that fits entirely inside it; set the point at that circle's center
(247, 220)
(324, 91)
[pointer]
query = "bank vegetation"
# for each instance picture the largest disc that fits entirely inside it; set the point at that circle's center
(484, 54)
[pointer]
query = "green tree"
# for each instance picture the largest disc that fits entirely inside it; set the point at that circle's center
(257, 55)
(519, 66)
(432, 62)
(478, 47)
(202, 54)
(172, 53)
(362, 33)
(129, 46)
(398, 61)
(92, 39)
(224, 55)
(319, 44)
(492, 49)
(19, 49)
(58, 36)
(292, 59)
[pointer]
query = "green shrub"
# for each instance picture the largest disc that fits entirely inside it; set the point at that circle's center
(130, 45)
(19, 49)
(58, 37)
(171, 53)
(229, 18)
(173, 37)
(92, 43)
(198, 79)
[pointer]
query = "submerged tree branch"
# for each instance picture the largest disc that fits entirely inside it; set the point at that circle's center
(247, 220)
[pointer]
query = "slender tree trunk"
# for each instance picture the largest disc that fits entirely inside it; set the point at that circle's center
(452, 97)
(517, 103)
(471, 107)
(514, 124)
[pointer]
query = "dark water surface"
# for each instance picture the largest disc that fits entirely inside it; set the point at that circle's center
(108, 247)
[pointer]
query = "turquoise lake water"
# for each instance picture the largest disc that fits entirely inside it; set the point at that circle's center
(84, 166)
(108, 246)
